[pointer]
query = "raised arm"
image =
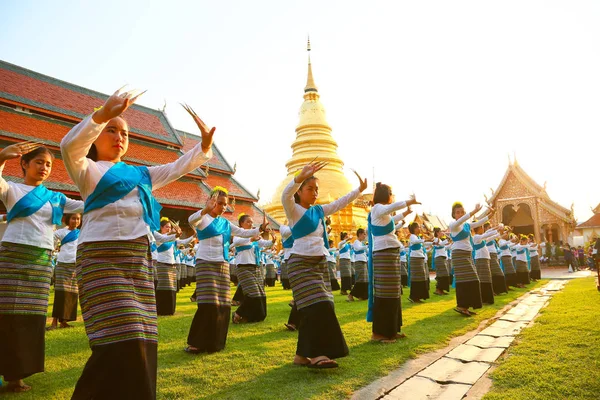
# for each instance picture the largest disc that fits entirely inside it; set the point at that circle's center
(383, 209)
(244, 233)
(340, 203)
(161, 238)
(8, 153)
(185, 241)
(287, 199)
(480, 222)
(73, 206)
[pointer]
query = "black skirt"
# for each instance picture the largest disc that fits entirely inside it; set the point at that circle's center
(65, 306)
(334, 285)
(319, 332)
(360, 290)
(239, 294)
(404, 280)
(132, 377)
(210, 325)
(253, 309)
(499, 284)
(346, 283)
(419, 290)
(443, 283)
(523, 277)
(535, 274)
(511, 279)
(166, 300)
(468, 294)
(487, 293)
(22, 345)
(285, 282)
(387, 316)
(294, 318)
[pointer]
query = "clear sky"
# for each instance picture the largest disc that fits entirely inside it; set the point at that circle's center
(421, 92)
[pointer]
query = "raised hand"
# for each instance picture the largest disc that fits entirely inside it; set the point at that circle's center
(207, 133)
(116, 105)
(476, 210)
(309, 170)
(490, 211)
(211, 203)
(412, 199)
(363, 183)
(17, 150)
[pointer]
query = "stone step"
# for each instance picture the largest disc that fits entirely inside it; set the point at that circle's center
(466, 352)
(418, 388)
(489, 341)
(447, 370)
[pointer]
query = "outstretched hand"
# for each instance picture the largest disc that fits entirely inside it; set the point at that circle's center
(476, 210)
(265, 225)
(17, 150)
(412, 199)
(309, 170)
(116, 105)
(207, 133)
(211, 203)
(363, 182)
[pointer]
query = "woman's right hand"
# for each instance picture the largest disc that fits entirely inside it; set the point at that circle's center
(116, 105)
(17, 150)
(309, 170)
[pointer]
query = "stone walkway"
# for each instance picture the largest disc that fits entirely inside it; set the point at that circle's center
(457, 370)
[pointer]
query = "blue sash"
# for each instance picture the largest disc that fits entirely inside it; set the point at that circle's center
(374, 230)
(70, 237)
(345, 249)
(254, 246)
(165, 246)
(153, 247)
(359, 251)
(309, 223)
(505, 247)
(289, 242)
(492, 243)
(117, 182)
(34, 200)
(480, 245)
(219, 226)
(465, 233)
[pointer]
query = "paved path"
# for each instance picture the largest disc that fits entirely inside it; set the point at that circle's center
(457, 370)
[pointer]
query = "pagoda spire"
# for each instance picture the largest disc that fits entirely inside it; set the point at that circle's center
(310, 82)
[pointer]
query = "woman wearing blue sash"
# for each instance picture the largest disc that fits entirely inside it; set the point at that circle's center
(439, 260)
(208, 332)
(287, 241)
(116, 288)
(190, 261)
(25, 261)
(505, 245)
(403, 260)
(536, 272)
(498, 279)
(360, 289)
(522, 261)
(345, 263)
(65, 285)
(254, 303)
(331, 266)
(418, 270)
(482, 262)
(270, 270)
(385, 286)
(468, 290)
(166, 265)
(320, 338)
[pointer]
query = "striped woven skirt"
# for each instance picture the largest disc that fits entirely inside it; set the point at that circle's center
(485, 280)
(522, 272)
(345, 273)
(270, 275)
(332, 277)
(285, 280)
(468, 290)
(208, 332)
(191, 273)
(254, 303)
(387, 307)
(360, 289)
(25, 274)
(116, 293)
(319, 332)
(232, 274)
(65, 292)
(403, 273)
(509, 271)
(498, 279)
(442, 274)
(419, 279)
(536, 272)
(166, 289)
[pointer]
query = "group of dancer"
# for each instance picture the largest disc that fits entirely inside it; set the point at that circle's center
(123, 265)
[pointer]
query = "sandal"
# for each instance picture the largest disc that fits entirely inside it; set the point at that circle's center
(17, 387)
(323, 364)
(384, 341)
(236, 319)
(463, 312)
(189, 350)
(290, 327)
(472, 312)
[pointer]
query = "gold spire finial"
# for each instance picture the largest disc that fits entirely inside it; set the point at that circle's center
(310, 82)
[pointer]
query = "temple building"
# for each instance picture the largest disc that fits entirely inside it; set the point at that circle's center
(524, 205)
(37, 107)
(590, 229)
(314, 139)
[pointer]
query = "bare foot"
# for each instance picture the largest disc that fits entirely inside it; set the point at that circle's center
(301, 360)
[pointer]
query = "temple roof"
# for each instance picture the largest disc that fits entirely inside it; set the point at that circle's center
(65, 100)
(539, 191)
(217, 162)
(593, 222)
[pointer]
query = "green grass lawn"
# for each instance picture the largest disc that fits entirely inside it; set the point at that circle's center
(256, 363)
(558, 357)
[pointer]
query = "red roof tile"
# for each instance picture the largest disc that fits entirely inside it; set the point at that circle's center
(594, 221)
(185, 193)
(151, 154)
(217, 161)
(58, 177)
(37, 90)
(228, 183)
(32, 126)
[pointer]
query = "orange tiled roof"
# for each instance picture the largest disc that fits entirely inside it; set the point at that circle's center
(229, 183)
(22, 86)
(593, 222)
(217, 161)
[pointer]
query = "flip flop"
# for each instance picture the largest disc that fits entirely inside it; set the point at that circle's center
(323, 364)
(17, 388)
(472, 312)
(463, 312)
(384, 341)
(190, 351)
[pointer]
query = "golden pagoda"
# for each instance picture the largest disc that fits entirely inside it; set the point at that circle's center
(314, 139)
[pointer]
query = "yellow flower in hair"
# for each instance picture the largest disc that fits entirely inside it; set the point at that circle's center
(164, 219)
(97, 108)
(241, 215)
(220, 189)
(297, 172)
(457, 204)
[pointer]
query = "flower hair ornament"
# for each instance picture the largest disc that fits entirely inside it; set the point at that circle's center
(98, 108)
(457, 204)
(164, 219)
(218, 189)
